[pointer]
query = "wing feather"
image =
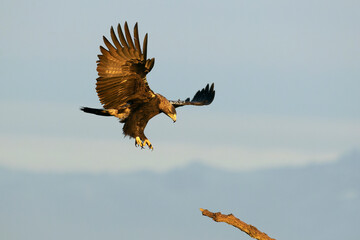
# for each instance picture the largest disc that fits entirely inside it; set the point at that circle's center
(126, 52)
(112, 50)
(122, 69)
(202, 97)
(121, 36)
(128, 36)
(136, 39)
(145, 46)
(115, 39)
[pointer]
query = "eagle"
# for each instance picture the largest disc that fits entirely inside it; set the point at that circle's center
(123, 90)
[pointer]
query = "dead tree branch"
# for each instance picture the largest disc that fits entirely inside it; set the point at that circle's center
(232, 220)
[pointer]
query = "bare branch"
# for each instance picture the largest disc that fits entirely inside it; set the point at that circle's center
(232, 220)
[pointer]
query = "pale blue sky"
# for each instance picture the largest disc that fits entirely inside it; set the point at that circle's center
(286, 75)
(287, 85)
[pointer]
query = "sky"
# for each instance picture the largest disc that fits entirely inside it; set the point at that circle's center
(286, 76)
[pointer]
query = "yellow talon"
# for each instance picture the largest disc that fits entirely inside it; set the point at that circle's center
(142, 144)
(138, 142)
(147, 142)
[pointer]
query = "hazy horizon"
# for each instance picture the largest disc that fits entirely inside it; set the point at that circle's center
(314, 201)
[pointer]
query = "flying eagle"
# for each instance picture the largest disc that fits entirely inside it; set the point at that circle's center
(124, 91)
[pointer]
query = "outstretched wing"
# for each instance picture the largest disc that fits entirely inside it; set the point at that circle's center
(204, 96)
(122, 70)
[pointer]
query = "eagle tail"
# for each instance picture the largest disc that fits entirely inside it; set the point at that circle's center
(97, 111)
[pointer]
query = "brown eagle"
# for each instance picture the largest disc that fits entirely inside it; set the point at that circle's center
(124, 92)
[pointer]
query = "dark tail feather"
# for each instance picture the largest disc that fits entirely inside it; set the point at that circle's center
(101, 112)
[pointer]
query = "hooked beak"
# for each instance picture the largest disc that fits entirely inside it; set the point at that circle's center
(172, 116)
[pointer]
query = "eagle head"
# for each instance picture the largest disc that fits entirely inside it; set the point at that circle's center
(166, 107)
(171, 113)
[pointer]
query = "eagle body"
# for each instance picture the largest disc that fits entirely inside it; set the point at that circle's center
(135, 123)
(123, 89)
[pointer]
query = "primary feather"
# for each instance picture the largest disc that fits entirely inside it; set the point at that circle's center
(122, 71)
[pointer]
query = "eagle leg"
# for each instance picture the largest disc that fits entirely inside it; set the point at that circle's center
(147, 142)
(138, 142)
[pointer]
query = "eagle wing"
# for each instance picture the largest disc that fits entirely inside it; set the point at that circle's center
(202, 97)
(122, 70)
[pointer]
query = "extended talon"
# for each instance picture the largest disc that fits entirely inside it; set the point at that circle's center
(138, 142)
(142, 144)
(147, 142)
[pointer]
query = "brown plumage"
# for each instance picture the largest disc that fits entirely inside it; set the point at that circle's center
(123, 89)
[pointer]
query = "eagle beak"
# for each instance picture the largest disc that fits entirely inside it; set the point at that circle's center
(172, 116)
